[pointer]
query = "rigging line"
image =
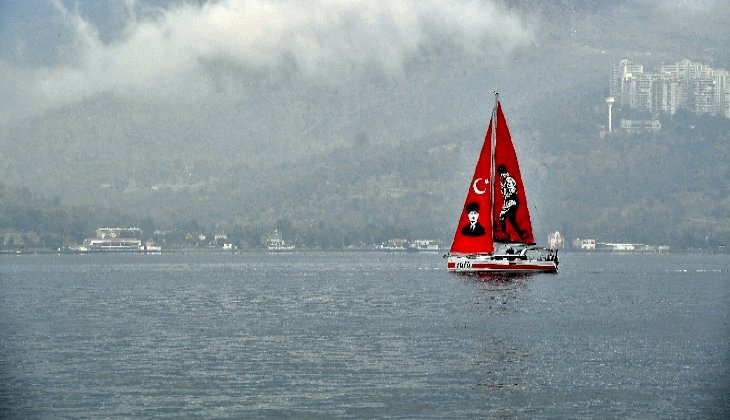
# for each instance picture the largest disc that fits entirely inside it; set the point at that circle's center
(492, 152)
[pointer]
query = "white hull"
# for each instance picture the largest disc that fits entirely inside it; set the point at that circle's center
(533, 260)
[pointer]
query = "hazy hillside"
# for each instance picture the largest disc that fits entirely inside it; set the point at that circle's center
(661, 188)
(30, 220)
(379, 154)
(358, 185)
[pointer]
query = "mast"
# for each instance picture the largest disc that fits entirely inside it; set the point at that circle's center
(491, 166)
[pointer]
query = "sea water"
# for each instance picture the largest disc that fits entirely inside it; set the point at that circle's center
(362, 335)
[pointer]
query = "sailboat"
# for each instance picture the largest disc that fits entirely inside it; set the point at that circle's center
(494, 233)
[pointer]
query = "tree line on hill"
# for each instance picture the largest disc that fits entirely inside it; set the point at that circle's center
(668, 187)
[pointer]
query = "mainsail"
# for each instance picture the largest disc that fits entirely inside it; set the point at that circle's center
(511, 216)
(495, 208)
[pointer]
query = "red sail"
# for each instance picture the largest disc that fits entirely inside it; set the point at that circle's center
(474, 236)
(511, 216)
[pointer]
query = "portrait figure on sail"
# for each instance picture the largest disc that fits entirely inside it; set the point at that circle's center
(473, 228)
(510, 203)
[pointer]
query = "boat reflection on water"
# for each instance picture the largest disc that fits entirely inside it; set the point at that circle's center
(499, 277)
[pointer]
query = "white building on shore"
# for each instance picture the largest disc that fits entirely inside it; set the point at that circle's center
(556, 240)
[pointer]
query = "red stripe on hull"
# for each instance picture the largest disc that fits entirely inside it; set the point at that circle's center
(513, 267)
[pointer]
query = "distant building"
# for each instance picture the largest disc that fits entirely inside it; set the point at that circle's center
(395, 244)
(116, 232)
(275, 242)
(624, 77)
(693, 86)
(585, 244)
(117, 245)
(556, 240)
(113, 244)
(629, 247)
(424, 245)
(636, 126)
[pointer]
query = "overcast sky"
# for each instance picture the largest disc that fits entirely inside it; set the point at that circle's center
(55, 52)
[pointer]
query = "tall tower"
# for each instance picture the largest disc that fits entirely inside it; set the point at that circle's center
(609, 102)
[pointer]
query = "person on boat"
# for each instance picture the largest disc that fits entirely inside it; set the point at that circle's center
(510, 202)
(473, 228)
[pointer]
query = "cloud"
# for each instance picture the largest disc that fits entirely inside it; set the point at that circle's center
(318, 40)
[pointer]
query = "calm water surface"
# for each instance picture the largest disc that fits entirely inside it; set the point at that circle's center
(361, 335)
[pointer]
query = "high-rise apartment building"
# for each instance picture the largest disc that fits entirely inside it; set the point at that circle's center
(623, 82)
(685, 84)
